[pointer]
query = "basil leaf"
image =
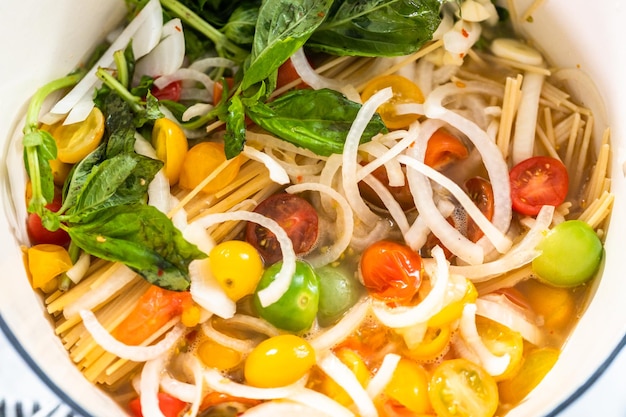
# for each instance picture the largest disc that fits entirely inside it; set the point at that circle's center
(119, 126)
(377, 27)
(141, 237)
(241, 23)
(318, 120)
(283, 26)
(79, 175)
(43, 149)
(235, 136)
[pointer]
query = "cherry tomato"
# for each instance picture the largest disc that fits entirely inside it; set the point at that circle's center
(402, 194)
(287, 74)
(481, 193)
(39, 234)
(218, 89)
(170, 144)
(453, 310)
(279, 361)
(200, 162)
(501, 340)
(46, 262)
(535, 366)
(154, 309)
(294, 214)
(556, 306)
(434, 344)
(75, 141)
(404, 91)
(215, 398)
(169, 92)
(217, 356)
(237, 266)
(570, 254)
(409, 386)
(538, 181)
(170, 406)
(460, 388)
(296, 309)
(338, 293)
(391, 271)
(443, 149)
(355, 363)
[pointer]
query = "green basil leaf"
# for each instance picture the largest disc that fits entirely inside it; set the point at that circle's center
(318, 120)
(242, 23)
(283, 26)
(377, 27)
(42, 147)
(79, 175)
(120, 126)
(141, 237)
(235, 136)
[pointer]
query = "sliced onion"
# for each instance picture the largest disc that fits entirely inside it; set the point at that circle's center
(342, 375)
(159, 194)
(462, 37)
(243, 346)
(205, 64)
(277, 173)
(391, 204)
(342, 329)
(350, 164)
(167, 56)
(124, 351)
(196, 110)
(149, 386)
(501, 310)
(181, 390)
(344, 233)
(195, 367)
(385, 372)
(308, 74)
(254, 324)
(283, 408)
(280, 285)
(399, 317)
(79, 269)
(183, 74)
(526, 120)
(118, 279)
(320, 402)
(218, 382)
(494, 365)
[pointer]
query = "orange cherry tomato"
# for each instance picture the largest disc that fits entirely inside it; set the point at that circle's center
(218, 89)
(169, 406)
(404, 91)
(443, 149)
(391, 271)
(538, 181)
(287, 74)
(201, 161)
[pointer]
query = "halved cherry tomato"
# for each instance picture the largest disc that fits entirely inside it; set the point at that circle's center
(443, 149)
(46, 262)
(287, 74)
(538, 181)
(153, 310)
(171, 91)
(355, 363)
(170, 406)
(556, 306)
(500, 340)
(391, 271)
(216, 398)
(536, 364)
(409, 386)
(294, 214)
(39, 234)
(170, 144)
(75, 141)
(401, 194)
(453, 310)
(217, 356)
(218, 89)
(460, 388)
(481, 193)
(433, 345)
(200, 162)
(404, 91)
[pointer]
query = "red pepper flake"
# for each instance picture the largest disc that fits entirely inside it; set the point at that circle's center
(460, 84)
(321, 14)
(160, 272)
(464, 33)
(462, 54)
(178, 28)
(299, 178)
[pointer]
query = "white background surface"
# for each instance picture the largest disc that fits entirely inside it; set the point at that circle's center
(606, 398)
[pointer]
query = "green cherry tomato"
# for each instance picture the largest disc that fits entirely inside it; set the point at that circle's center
(570, 254)
(338, 292)
(295, 311)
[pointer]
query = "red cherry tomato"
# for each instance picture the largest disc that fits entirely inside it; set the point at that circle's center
(169, 92)
(39, 234)
(292, 213)
(401, 194)
(481, 193)
(170, 406)
(538, 181)
(391, 271)
(443, 149)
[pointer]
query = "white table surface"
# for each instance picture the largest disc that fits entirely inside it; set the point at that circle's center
(606, 398)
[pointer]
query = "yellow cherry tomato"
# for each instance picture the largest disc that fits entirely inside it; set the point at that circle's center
(201, 161)
(237, 266)
(279, 361)
(404, 91)
(355, 363)
(555, 305)
(460, 388)
(409, 386)
(170, 144)
(501, 340)
(217, 356)
(46, 262)
(433, 345)
(535, 366)
(454, 309)
(75, 141)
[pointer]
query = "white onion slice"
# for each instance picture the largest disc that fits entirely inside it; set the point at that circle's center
(149, 386)
(320, 402)
(385, 372)
(181, 390)
(344, 233)
(280, 285)
(196, 110)
(119, 278)
(159, 194)
(240, 345)
(501, 311)
(351, 146)
(343, 376)
(283, 408)
(277, 172)
(183, 74)
(196, 369)
(342, 329)
(167, 56)
(494, 365)
(124, 351)
(526, 120)
(218, 382)
(79, 269)
(254, 324)
(308, 74)
(400, 317)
